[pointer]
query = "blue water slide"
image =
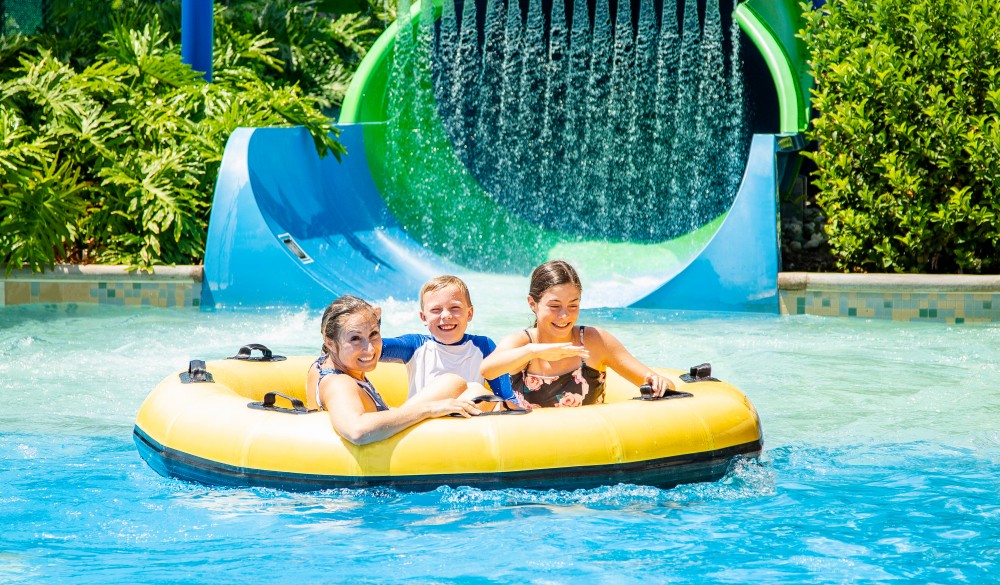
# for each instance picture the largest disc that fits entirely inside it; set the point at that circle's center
(738, 269)
(289, 228)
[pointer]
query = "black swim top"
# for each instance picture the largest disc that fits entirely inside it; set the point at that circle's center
(584, 385)
(365, 385)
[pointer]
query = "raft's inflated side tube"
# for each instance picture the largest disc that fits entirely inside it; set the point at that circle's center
(206, 432)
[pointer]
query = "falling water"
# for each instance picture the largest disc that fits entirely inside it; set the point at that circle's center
(619, 124)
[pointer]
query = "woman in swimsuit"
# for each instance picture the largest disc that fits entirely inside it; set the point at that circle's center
(556, 362)
(337, 382)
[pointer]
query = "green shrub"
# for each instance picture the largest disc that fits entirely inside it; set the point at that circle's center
(317, 51)
(110, 145)
(908, 156)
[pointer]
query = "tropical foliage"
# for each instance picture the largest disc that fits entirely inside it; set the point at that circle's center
(317, 52)
(908, 157)
(110, 145)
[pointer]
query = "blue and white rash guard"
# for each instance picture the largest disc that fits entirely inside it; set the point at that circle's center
(427, 358)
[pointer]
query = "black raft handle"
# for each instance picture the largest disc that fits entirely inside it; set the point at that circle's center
(269, 404)
(197, 373)
(700, 373)
(265, 354)
(504, 407)
(646, 394)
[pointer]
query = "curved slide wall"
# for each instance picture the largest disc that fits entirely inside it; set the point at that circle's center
(291, 229)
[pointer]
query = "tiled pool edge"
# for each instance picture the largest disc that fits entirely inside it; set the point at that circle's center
(936, 298)
(901, 297)
(164, 286)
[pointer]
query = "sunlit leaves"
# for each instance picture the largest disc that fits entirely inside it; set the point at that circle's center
(908, 140)
(316, 51)
(110, 145)
(39, 204)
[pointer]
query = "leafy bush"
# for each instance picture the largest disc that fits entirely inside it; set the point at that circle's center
(908, 157)
(110, 146)
(317, 52)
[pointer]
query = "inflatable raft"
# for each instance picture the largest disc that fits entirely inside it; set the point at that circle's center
(241, 422)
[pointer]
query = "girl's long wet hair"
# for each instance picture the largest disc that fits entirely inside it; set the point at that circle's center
(552, 273)
(335, 315)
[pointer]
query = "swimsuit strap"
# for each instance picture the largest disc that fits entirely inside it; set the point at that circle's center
(524, 372)
(319, 366)
(323, 372)
(372, 393)
(365, 385)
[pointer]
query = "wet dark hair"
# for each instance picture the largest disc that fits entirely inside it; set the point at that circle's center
(552, 273)
(335, 314)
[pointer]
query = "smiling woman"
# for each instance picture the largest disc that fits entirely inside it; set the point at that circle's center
(352, 345)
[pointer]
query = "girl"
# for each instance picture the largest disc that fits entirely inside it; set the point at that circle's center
(556, 363)
(337, 383)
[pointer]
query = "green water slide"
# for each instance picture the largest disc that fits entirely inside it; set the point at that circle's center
(273, 200)
(772, 26)
(497, 239)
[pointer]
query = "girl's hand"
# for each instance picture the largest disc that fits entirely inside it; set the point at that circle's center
(556, 351)
(659, 384)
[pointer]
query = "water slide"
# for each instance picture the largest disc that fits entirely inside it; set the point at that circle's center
(289, 228)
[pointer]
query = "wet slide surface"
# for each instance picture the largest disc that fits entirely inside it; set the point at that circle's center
(289, 228)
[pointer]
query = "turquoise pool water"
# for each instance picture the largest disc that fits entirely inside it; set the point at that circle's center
(881, 464)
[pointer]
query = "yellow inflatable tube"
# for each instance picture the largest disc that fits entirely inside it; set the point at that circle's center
(218, 432)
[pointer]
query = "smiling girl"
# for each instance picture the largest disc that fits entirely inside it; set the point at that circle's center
(556, 362)
(337, 380)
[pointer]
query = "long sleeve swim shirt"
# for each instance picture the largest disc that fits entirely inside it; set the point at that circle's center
(426, 358)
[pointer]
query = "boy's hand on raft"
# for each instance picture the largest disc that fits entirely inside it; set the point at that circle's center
(465, 408)
(515, 404)
(659, 384)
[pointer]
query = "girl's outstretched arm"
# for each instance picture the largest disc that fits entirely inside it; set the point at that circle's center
(610, 353)
(515, 351)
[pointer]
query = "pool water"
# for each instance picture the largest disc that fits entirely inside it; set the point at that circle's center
(881, 464)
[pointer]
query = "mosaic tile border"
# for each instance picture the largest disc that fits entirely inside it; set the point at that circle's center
(901, 297)
(931, 298)
(173, 286)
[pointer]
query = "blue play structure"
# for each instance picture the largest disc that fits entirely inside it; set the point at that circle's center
(197, 21)
(289, 228)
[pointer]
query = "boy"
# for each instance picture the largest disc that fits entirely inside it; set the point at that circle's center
(445, 309)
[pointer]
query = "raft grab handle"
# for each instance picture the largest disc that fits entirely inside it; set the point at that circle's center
(700, 373)
(268, 404)
(265, 354)
(504, 407)
(646, 394)
(196, 373)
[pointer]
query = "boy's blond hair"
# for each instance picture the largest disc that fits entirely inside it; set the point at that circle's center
(441, 282)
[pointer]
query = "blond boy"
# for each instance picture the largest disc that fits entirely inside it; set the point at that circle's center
(445, 309)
